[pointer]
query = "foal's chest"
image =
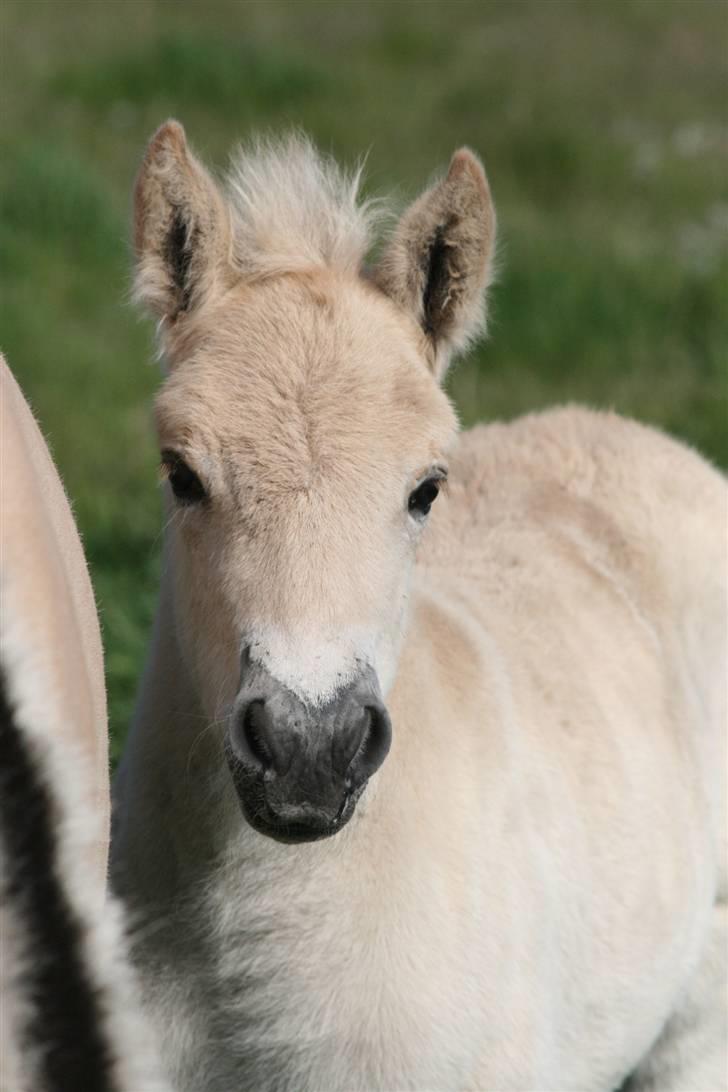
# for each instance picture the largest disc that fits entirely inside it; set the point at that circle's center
(327, 994)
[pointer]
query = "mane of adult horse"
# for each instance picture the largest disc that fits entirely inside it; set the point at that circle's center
(411, 807)
(68, 1019)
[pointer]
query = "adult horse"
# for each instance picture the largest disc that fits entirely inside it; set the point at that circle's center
(410, 806)
(68, 1017)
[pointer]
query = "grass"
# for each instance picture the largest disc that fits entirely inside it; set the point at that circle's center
(604, 130)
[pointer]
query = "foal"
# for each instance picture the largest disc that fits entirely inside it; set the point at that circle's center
(411, 800)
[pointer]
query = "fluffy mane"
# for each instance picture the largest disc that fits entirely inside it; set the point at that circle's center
(294, 207)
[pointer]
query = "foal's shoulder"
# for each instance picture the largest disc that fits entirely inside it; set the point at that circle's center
(637, 493)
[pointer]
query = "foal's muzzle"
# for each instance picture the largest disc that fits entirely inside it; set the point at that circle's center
(298, 769)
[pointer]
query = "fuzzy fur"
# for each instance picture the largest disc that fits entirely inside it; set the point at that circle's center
(531, 892)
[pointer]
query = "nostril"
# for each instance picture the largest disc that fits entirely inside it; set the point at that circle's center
(374, 745)
(254, 732)
(380, 737)
(263, 737)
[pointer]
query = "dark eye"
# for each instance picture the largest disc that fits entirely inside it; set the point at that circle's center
(422, 497)
(186, 486)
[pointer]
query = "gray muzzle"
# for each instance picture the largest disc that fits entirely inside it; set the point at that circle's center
(299, 770)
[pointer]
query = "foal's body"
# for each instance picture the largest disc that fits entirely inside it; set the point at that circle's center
(527, 892)
(525, 897)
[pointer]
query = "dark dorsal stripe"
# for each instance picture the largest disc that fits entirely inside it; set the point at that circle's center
(63, 1028)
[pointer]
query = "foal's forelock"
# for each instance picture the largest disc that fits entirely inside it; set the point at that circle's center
(294, 210)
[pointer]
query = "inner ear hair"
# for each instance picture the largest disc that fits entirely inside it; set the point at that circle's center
(439, 276)
(178, 256)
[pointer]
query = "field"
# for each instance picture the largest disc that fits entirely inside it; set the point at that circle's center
(604, 129)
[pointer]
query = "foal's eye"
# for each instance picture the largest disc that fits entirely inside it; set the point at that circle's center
(422, 498)
(186, 486)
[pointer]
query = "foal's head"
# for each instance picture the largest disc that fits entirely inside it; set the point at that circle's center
(304, 436)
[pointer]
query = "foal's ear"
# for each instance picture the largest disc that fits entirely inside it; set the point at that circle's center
(182, 232)
(439, 261)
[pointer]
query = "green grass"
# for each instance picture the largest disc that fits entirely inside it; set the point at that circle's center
(604, 129)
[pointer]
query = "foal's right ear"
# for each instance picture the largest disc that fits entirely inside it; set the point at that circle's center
(182, 233)
(439, 261)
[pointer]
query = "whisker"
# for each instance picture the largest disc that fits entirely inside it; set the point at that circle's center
(199, 738)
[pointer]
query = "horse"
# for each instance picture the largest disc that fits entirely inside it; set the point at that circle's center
(425, 786)
(68, 1007)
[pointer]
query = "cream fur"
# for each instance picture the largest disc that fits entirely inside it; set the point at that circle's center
(530, 893)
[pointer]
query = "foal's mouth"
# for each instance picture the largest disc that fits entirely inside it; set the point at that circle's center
(288, 824)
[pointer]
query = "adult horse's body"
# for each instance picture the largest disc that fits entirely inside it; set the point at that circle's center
(68, 1021)
(49, 618)
(530, 891)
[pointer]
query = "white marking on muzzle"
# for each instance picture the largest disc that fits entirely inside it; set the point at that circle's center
(312, 664)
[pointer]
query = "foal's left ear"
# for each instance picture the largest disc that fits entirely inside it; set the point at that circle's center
(439, 261)
(182, 234)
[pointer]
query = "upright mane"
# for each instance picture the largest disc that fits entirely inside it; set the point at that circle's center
(294, 208)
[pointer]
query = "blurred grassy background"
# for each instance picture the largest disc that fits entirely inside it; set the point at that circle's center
(604, 130)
